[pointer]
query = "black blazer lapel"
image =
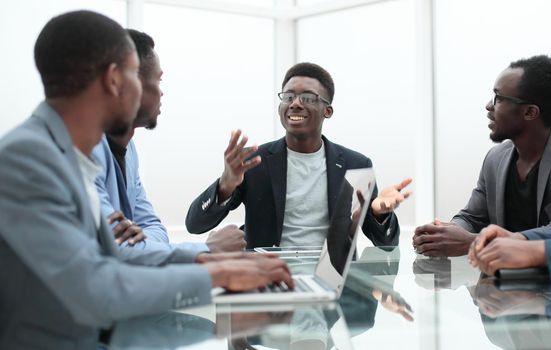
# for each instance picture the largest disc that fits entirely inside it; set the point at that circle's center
(336, 168)
(277, 169)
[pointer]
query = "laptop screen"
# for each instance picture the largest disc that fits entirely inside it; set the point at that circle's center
(347, 219)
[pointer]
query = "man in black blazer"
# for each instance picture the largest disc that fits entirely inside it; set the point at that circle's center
(289, 186)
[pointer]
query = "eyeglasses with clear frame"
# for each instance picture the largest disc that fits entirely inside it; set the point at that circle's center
(515, 100)
(305, 97)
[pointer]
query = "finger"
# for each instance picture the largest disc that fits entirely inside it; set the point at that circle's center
(234, 157)
(137, 238)
(280, 275)
(247, 152)
(429, 229)
(130, 232)
(403, 184)
(493, 266)
(437, 221)
(472, 256)
(485, 236)
(233, 140)
(407, 194)
(251, 163)
(115, 216)
(230, 227)
(121, 227)
(422, 239)
(430, 249)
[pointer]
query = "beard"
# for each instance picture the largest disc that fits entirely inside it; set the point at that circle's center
(498, 137)
(118, 128)
(145, 120)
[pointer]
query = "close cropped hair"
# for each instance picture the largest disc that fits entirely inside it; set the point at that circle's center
(535, 85)
(312, 70)
(74, 48)
(144, 47)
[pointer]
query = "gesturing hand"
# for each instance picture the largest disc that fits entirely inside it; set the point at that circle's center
(390, 198)
(236, 163)
(125, 230)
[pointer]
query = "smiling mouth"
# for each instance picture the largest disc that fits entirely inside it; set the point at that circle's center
(296, 118)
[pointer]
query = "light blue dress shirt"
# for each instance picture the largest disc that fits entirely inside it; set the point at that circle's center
(131, 199)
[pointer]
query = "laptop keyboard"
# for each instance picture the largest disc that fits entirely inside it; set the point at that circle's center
(300, 286)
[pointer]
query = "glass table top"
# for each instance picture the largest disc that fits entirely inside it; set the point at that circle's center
(393, 299)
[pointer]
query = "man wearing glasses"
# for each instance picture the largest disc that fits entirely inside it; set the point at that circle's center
(513, 189)
(289, 186)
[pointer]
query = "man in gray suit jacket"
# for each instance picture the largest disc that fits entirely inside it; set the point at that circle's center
(62, 276)
(514, 189)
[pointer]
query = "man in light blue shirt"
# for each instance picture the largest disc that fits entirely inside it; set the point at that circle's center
(123, 198)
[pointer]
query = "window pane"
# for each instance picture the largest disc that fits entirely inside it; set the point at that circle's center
(218, 76)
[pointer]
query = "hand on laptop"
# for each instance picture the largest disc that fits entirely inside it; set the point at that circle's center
(228, 239)
(390, 198)
(125, 230)
(236, 163)
(248, 272)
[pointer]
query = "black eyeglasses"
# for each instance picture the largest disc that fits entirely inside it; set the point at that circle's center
(515, 100)
(305, 97)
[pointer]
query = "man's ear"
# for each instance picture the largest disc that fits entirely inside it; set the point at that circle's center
(328, 112)
(532, 112)
(112, 80)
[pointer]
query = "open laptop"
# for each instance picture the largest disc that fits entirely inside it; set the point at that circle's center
(338, 249)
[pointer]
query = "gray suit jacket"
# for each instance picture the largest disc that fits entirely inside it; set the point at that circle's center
(62, 279)
(487, 203)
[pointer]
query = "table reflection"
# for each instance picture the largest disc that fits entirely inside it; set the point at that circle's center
(514, 315)
(392, 299)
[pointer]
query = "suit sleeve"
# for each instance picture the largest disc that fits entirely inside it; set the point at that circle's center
(205, 213)
(144, 215)
(474, 217)
(541, 233)
(45, 232)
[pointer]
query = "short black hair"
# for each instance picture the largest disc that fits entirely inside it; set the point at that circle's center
(535, 83)
(144, 47)
(74, 48)
(311, 70)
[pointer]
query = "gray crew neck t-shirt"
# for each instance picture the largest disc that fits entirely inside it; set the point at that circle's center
(306, 217)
